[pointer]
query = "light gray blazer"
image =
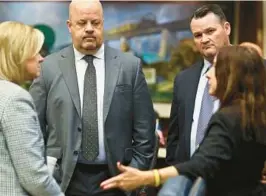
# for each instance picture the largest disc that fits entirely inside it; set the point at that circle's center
(22, 165)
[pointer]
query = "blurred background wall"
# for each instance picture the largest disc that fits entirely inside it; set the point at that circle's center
(155, 31)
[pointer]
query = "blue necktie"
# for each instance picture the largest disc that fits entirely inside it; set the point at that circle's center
(205, 114)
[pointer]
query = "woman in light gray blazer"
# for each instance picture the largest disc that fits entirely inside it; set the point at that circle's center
(22, 165)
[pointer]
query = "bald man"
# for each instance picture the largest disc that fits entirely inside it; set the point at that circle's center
(259, 50)
(252, 45)
(94, 107)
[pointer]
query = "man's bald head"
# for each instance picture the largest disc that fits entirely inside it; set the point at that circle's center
(86, 25)
(252, 45)
(78, 4)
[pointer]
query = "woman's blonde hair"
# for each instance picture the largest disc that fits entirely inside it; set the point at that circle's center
(18, 43)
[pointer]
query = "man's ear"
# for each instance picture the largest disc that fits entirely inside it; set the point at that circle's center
(68, 25)
(227, 28)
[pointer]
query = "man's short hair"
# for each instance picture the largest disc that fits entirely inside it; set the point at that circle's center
(209, 8)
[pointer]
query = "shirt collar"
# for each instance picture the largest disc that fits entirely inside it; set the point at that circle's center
(99, 54)
(206, 67)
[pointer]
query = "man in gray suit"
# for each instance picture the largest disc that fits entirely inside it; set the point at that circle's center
(94, 107)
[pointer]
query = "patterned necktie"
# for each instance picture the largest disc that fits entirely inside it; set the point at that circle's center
(205, 114)
(90, 145)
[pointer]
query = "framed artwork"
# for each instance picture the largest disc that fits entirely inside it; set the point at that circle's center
(156, 32)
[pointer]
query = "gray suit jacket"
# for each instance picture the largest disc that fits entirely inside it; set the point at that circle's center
(22, 166)
(128, 113)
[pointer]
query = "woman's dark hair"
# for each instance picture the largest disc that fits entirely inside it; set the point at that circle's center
(241, 76)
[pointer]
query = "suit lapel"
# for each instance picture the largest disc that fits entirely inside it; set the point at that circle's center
(190, 102)
(112, 67)
(67, 66)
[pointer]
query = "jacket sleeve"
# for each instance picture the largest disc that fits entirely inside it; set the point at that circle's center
(144, 123)
(25, 144)
(173, 137)
(216, 148)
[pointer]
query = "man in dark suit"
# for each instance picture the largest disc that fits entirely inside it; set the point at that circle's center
(192, 106)
(94, 107)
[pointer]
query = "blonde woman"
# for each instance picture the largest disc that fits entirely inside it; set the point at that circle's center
(22, 166)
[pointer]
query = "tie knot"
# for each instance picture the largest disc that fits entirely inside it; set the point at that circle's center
(88, 59)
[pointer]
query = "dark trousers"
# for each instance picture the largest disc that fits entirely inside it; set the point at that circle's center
(86, 181)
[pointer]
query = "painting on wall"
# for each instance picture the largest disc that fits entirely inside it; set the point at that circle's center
(156, 32)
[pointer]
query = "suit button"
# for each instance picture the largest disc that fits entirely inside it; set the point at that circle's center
(76, 152)
(79, 129)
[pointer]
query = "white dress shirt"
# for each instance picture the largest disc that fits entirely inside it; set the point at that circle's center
(99, 64)
(201, 86)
